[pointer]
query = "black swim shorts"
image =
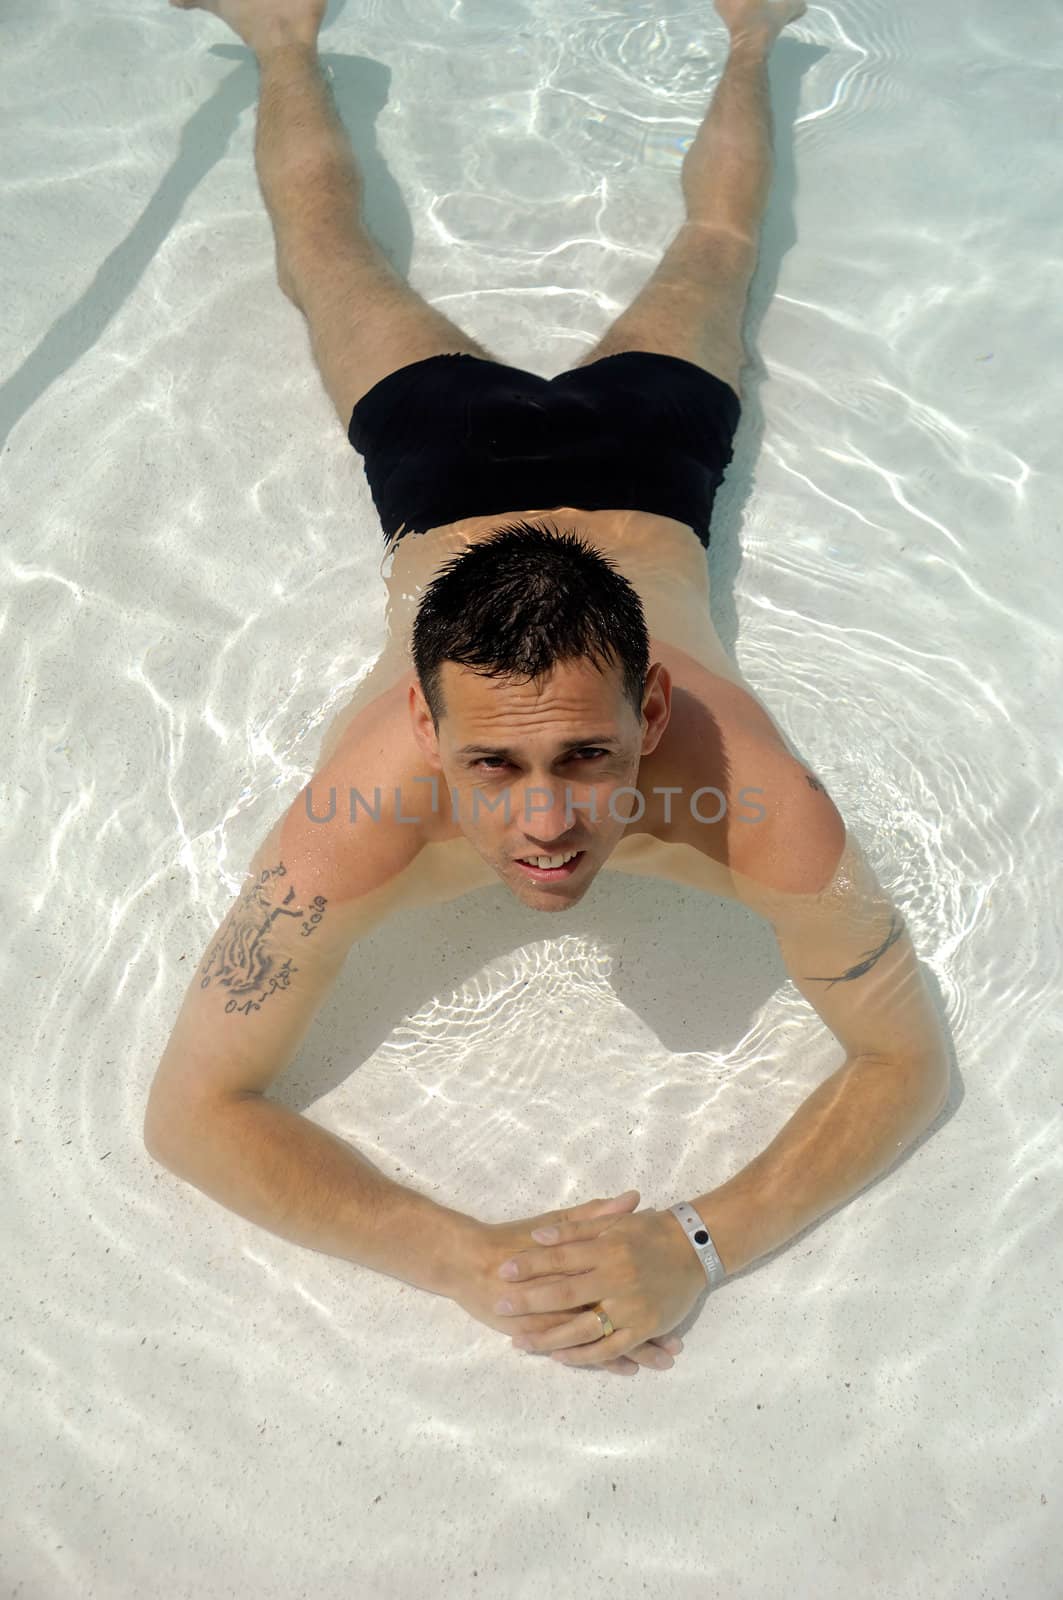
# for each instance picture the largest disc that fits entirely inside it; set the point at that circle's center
(457, 436)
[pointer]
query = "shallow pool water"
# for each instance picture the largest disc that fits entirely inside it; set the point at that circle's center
(191, 587)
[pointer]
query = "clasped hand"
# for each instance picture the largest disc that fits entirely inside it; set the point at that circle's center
(639, 1266)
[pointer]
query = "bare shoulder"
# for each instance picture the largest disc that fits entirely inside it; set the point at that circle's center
(318, 881)
(331, 866)
(792, 836)
(375, 820)
(350, 836)
(748, 802)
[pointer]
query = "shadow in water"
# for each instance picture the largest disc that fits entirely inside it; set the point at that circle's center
(360, 87)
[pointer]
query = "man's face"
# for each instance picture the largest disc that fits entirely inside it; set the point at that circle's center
(532, 771)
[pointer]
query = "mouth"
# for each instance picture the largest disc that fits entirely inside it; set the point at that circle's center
(551, 874)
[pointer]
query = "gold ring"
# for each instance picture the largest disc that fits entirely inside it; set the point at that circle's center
(603, 1318)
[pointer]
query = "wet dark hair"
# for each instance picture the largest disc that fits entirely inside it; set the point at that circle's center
(515, 604)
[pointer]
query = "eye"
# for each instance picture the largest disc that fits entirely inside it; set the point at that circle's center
(591, 751)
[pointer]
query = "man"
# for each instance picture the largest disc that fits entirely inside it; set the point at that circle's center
(569, 710)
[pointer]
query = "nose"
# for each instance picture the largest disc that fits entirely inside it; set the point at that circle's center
(544, 815)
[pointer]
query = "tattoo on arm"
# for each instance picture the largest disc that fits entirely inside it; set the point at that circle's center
(814, 782)
(896, 929)
(241, 959)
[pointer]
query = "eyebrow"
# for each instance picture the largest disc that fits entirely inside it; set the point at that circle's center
(605, 739)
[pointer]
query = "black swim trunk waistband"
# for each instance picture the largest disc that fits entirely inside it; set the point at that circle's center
(457, 436)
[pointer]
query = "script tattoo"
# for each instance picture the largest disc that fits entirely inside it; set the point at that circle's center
(896, 929)
(240, 959)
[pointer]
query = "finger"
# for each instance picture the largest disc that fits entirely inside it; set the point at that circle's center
(595, 1352)
(566, 1230)
(623, 1367)
(650, 1355)
(565, 1293)
(626, 1366)
(584, 1329)
(645, 1355)
(548, 1260)
(579, 1342)
(536, 1323)
(566, 1213)
(612, 1202)
(590, 1209)
(655, 1354)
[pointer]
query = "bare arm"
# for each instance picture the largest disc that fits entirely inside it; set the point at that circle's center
(846, 949)
(299, 1181)
(263, 976)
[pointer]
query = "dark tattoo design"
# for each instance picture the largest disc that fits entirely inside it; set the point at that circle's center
(240, 959)
(896, 929)
(814, 782)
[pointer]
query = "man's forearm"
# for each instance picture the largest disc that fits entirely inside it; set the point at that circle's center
(843, 1136)
(286, 1174)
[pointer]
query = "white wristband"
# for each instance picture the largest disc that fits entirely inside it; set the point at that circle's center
(701, 1240)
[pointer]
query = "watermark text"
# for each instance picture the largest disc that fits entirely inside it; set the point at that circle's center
(705, 805)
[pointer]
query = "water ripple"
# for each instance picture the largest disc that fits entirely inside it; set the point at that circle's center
(189, 588)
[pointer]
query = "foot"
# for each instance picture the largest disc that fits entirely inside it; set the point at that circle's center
(264, 23)
(762, 20)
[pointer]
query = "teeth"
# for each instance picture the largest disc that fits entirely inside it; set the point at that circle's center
(548, 861)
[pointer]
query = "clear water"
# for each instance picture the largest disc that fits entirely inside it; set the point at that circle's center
(191, 588)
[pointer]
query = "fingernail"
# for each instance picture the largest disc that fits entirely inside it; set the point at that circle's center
(544, 1235)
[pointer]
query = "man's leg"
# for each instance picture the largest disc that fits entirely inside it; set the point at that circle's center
(364, 321)
(693, 305)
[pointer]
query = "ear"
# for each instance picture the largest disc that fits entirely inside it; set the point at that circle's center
(656, 706)
(423, 728)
